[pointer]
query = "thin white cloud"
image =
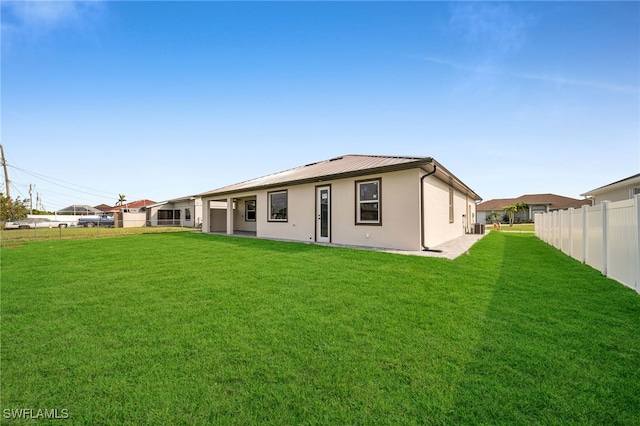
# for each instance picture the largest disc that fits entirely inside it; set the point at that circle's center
(532, 76)
(34, 19)
(495, 27)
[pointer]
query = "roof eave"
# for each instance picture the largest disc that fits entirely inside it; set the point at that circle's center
(449, 178)
(631, 180)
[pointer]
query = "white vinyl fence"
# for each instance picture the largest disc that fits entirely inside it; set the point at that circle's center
(605, 237)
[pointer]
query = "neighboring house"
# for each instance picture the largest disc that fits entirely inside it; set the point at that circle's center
(537, 203)
(185, 211)
(132, 214)
(617, 191)
(405, 203)
(133, 206)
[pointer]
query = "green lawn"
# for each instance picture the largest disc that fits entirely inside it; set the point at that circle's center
(188, 328)
(20, 235)
(516, 227)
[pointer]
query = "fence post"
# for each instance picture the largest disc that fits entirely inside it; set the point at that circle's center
(560, 229)
(605, 237)
(571, 231)
(553, 229)
(584, 234)
(637, 207)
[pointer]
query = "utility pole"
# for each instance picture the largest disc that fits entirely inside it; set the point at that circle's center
(6, 176)
(31, 198)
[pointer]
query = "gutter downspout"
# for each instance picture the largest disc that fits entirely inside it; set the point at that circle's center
(422, 198)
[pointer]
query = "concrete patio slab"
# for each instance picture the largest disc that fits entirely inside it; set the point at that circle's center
(449, 250)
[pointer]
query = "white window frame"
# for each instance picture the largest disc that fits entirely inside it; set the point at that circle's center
(359, 202)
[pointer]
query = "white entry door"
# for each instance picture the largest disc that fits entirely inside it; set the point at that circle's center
(323, 213)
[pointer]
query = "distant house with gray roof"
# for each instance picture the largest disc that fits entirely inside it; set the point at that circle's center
(537, 203)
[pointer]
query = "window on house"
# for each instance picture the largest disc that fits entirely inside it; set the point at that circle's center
(168, 217)
(368, 211)
(187, 214)
(451, 216)
(278, 206)
(250, 211)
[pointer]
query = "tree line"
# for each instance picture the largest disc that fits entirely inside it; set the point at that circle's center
(12, 209)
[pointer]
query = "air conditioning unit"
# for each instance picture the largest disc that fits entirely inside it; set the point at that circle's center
(478, 228)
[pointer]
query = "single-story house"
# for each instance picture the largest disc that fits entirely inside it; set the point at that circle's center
(617, 191)
(404, 203)
(537, 203)
(132, 214)
(185, 211)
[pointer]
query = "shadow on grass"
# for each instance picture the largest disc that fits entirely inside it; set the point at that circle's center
(559, 344)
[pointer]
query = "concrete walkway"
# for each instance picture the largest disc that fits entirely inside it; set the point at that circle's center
(450, 249)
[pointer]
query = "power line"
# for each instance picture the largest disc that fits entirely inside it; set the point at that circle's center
(50, 180)
(16, 188)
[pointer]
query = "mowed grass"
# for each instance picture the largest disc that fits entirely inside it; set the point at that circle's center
(516, 227)
(519, 227)
(21, 235)
(188, 328)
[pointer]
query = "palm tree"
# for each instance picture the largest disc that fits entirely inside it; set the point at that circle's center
(512, 210)
(522, 207)
(121, 199)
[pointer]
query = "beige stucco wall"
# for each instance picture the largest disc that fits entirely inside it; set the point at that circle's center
(133, 220)
(614, 195)
(300, 225)
(400, 209)
(400, 206)
(438, 228)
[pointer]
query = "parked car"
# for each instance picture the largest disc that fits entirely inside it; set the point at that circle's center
(91, 221)
(35, 222)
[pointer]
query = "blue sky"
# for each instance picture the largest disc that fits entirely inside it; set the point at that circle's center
(163, 99)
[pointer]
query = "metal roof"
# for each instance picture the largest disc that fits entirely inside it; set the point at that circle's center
(79, 209)
(338, 168)
(631, 180)
(175, 200)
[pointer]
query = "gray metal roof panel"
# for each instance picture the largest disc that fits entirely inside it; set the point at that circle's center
(334, 167)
